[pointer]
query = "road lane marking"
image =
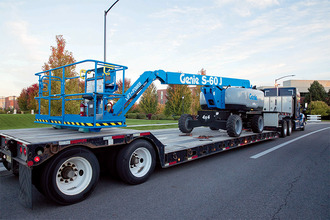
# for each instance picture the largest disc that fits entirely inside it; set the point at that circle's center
(286, 143)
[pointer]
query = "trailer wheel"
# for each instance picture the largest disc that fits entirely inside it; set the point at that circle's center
(71, 176)
(183, 123)
(234, 126)
(136, 162)
(5, 162)
(10, 167)
(289, 125)
(284, 128)
(257, 124)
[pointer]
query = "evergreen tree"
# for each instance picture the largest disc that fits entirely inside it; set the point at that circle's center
(316, 93)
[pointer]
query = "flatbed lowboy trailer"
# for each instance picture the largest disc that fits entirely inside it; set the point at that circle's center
(64, 164)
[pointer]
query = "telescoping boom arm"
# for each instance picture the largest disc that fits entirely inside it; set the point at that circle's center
(143, 82)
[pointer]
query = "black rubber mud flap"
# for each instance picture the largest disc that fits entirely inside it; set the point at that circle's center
(25, 186)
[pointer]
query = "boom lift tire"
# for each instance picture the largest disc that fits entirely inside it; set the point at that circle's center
(257, 124)
(284, 128)
(183, 123)
(234, 125)
(136, 162)
(289, 124)
(70, 176)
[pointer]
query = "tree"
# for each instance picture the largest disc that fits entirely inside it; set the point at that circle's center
(32, 103)
(195, 104)
(328, 98)
(318, 108)
(22, 100)
(176, 104)
(149, 100)
(60, 57)
(120, 85)
(26, 100)
(316, 93)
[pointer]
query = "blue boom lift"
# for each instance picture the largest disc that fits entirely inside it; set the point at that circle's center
(227, 103)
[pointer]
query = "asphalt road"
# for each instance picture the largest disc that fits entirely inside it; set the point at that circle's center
(290, 181)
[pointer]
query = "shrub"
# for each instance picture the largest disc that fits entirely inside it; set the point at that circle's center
(161, 117)
(131, 115)
(154, 117)
(141, 116)
(318, 108)
(176, 117)
(169, 118)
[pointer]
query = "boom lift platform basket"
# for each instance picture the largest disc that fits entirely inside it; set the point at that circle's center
(96, 107)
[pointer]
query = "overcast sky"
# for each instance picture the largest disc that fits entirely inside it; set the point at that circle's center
(259, 40)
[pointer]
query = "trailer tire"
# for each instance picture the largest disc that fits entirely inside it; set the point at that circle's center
(11, 167)
(136, 162)
(234, 125)
(289, 125)
(70, 176)
(284, 128)
(6, 165)
(257, 124)
(183, 123)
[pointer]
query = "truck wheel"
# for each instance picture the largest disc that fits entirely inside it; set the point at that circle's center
(284, 129)
(136, 162)
(234, 126)
(257, 124)
(70, 176)
(289, 125)
(183, 123)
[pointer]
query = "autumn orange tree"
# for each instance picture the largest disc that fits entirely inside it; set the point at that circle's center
(61, 57)
(149, 100)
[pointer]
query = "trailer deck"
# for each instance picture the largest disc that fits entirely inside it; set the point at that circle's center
(173, 146)
(31, 147)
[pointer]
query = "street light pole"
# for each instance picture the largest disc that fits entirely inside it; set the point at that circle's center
(276, 85)
(105, 29)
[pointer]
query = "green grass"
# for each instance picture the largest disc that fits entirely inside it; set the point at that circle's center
(10, 121)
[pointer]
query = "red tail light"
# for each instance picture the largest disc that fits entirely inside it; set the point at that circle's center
(36, 159)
